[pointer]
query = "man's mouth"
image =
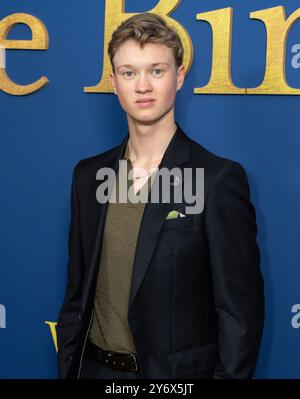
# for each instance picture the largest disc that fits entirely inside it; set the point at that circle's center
(145, 101)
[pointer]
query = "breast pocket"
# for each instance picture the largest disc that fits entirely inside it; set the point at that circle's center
(178, 223)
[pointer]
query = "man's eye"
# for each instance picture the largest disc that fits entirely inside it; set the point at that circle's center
(158, 70)
(126, 74)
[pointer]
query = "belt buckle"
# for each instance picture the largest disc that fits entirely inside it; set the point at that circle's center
(135, 362)
(111, 353)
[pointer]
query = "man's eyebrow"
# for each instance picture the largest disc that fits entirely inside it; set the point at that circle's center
(132, 66)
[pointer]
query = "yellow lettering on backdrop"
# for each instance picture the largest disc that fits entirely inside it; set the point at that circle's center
(52, 325)
(220, 79)
(39, 41)
(115, 14)
(277, 27)
(274, 19)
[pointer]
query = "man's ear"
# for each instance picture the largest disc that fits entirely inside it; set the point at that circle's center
(180, 77)
(113, 83)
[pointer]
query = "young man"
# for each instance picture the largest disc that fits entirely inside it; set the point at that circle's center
(150, 295)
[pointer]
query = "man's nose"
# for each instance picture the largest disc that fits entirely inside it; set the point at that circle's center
(143, 83)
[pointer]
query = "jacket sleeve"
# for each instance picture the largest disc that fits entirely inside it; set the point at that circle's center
(235, 264)
(70, 312)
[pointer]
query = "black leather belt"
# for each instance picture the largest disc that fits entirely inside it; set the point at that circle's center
(114, 360)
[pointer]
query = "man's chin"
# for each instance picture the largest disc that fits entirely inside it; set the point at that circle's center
(149, 119)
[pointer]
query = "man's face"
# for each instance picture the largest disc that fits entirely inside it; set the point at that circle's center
(137, 78)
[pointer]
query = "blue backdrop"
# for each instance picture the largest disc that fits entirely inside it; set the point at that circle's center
(44, 134)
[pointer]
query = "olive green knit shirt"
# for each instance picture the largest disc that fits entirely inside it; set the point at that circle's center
(110, 328)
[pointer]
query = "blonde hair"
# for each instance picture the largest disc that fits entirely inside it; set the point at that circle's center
(146, 28)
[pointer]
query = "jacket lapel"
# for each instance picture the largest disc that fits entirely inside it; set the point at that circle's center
(96, 221)
(176, 154)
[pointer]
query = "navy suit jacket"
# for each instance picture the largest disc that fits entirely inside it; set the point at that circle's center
(196, 305)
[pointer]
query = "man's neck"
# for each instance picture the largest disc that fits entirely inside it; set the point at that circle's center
(147, 144)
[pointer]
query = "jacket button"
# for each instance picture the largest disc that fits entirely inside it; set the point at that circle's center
(79, 316)
(70, 357)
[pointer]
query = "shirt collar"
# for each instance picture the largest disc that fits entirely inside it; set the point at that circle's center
(126, 155)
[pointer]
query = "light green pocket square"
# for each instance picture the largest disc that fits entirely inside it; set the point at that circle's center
(174, 215)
